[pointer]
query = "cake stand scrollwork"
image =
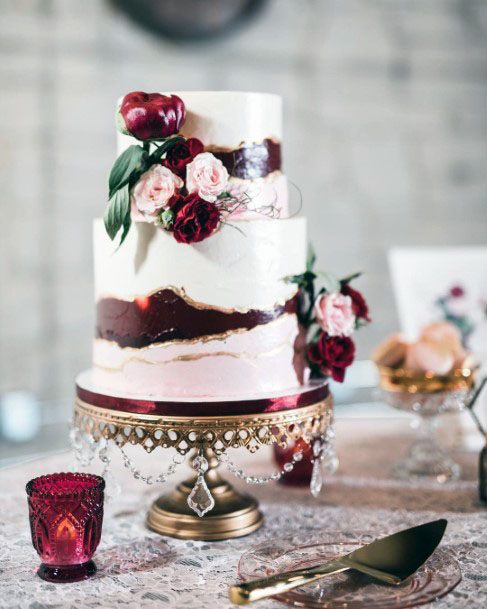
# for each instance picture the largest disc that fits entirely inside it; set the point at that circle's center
(206, 506)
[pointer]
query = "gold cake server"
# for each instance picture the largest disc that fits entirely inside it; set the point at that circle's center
(390, 559)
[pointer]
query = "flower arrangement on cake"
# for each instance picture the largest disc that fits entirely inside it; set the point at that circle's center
(167, 180)
(330, 312)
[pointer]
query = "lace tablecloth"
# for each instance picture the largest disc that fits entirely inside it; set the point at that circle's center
(139, 569)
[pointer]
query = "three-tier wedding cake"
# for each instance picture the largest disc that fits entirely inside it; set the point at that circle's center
(203, 286)
(207, 317)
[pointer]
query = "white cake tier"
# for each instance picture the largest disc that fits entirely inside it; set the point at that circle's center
(237, 269)
(227, 119)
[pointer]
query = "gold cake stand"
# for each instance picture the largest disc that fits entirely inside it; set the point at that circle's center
(234, 514)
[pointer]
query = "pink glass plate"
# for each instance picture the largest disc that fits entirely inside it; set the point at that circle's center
(350, 589)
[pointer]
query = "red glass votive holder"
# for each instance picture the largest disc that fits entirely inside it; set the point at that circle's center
(300, 475)
(66, 515)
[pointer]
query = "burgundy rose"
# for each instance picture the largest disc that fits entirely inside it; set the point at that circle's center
(359, 304)
(181, 154)
(332, 354)
(195, 219)
(150, 116)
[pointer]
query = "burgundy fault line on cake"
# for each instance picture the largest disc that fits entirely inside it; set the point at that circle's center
(253, 160)
(166, 316)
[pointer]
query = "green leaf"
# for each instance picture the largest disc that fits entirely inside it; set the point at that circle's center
(131, 161)
(294, 278)
(360, 323)
(116, 213)
(120, 123)
(127, 222)
(224, 195)
(318, 331)
(166, 218)
(305, 278)
(329, 282)
(165, 147)
(311, 258)
(350, 278)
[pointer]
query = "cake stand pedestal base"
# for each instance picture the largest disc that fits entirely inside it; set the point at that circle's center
(205, 507)
(233, 515)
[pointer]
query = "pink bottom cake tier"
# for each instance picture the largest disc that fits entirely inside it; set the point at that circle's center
(265, 358)
(89, 392)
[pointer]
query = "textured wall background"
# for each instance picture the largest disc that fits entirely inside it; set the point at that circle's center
(386, 135)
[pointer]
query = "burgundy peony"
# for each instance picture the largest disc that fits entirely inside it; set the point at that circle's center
(181, 154)
(359, 304)
(332, 354)
(151, 116)
(195, 219)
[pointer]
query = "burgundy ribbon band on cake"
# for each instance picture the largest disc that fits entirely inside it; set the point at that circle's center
(315, 394)
(166, 316)
(251, 161)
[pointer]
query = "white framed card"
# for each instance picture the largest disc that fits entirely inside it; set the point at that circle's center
(437, 283)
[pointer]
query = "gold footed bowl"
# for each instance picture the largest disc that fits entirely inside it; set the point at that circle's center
(426, 395)
(402, 380)
(206, 506)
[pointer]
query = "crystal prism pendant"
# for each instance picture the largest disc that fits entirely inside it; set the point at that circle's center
(200, 499)
(316, 478)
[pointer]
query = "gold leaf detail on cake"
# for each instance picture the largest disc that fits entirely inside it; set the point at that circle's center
(191, 357)
(199, 339)
(181, 292)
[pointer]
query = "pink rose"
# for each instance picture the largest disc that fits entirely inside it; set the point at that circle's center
(334, 313)
(154, 190)
(207, 176)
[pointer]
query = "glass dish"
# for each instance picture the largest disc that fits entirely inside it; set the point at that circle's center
(350, 590)
(426, 458)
